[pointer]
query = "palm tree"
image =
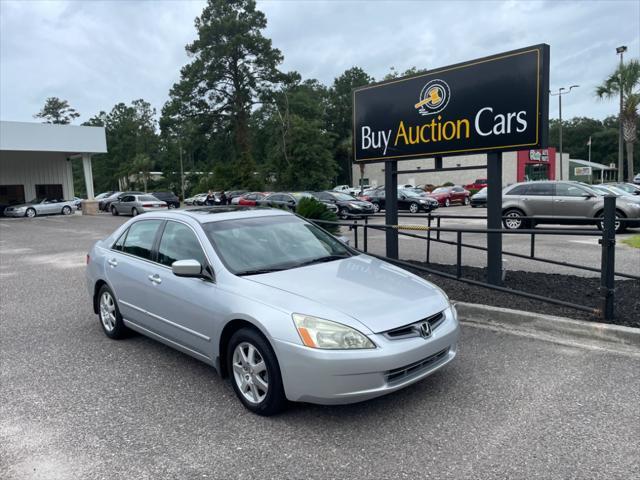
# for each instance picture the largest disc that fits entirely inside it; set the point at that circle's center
(625, 78)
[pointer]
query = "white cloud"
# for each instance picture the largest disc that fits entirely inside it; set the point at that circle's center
(99, 53)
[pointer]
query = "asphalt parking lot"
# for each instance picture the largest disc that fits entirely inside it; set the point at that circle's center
(580, 250)
(76, 405)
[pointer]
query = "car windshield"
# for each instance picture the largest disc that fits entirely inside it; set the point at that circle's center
(37, 200)
(441, 190)
(408, 193)
(618, 190)
(256, 245)
(342, 196)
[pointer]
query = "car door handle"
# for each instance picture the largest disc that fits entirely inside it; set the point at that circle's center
(155, 279)
(113, 262)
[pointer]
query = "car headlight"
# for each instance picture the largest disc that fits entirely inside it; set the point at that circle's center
(318, 333)
(422, 201)
(354, 205)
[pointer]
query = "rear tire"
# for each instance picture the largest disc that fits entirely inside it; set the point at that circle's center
(447, 202)
(114, 211)
(620, 227)
(254, 372)
(514, 222)
(344, 213)
(466, 200)
(109, 315)
(376, 207)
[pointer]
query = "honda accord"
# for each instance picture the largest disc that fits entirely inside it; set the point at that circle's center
(282, 308)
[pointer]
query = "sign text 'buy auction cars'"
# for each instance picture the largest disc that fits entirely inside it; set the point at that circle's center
(497, 103)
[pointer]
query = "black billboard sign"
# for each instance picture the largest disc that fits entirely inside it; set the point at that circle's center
(497, 103)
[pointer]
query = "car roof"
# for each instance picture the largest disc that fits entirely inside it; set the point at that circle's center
(216, 214)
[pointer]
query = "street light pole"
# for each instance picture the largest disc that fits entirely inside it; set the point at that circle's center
(620, 51)
(561, 91)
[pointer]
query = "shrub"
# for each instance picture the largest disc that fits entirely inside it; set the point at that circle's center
(447, 184)
(312, 209)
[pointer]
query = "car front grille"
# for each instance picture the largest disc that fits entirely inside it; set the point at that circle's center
(399, 374)
(413, 329)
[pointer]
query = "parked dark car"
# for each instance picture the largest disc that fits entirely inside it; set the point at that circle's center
(105, 203)
(290, 200)
(448, 195)
(170, 198)
(348, 206)
(479, 199)
(407, 200)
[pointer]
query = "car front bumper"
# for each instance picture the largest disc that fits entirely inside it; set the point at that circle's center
(349, 376)
(15, 213)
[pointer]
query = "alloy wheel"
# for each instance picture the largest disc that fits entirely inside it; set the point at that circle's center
(31, 213)
(107, 312)
(66, 211)
(413, 208)
(376, 207)
(513, 222)
(447, 202)
(250, 373)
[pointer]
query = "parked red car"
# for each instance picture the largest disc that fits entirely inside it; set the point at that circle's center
(250, 199)
(479, 184)
(448, 195)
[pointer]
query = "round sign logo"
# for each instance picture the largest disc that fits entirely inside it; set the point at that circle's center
(434, 97)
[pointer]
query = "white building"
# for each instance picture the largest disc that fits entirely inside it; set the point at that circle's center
(516, 167)
(35, 159)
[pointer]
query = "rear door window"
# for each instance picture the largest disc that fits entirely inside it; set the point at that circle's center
(519, 190)
(568, 190)
(179, 242)
(139, 241)
(540, 189)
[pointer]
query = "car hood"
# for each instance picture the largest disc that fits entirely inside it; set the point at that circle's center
(377, 294)
(22, 205)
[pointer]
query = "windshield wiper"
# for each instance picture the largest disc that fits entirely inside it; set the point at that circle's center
(327, 258)
(258, 271)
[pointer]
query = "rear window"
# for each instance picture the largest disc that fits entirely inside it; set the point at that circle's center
(139, 240)
(147, 198)
(518, 190)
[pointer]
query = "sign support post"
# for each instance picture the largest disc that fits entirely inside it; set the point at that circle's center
(494, 218)
(391, 207)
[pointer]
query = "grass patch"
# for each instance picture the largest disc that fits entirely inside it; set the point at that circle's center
(633, 241)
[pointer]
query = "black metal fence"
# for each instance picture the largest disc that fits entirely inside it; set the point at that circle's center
(433, 234)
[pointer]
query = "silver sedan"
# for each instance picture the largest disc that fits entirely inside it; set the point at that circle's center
(41, 206)
(282, 308)
(135, 204)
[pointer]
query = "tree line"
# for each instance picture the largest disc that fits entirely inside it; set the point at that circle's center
(236, 120)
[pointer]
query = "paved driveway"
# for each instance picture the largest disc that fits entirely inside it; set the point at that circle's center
(572, 249)
(74, 404)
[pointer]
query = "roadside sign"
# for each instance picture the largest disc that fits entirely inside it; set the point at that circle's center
(497, 103)
(582, 171)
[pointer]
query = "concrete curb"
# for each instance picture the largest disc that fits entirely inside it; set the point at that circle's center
(528, 322)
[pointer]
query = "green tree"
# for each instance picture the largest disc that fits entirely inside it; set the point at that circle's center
(625, 80)
(339, 118)
(131, 131)
(57, 111)
(293, 137)
(232, 66)
(141, 168)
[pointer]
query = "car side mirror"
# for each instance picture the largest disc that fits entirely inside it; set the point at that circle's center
(402, 197)
(188, 268)
(344, 239)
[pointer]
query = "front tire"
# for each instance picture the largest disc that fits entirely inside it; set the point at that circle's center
(414, 207)
(620, 226)
(344, 213)
(514, 220)
(30, 213)
(466, 200)
(66, 210)
(109, 315)
(447, 202)
(376, 207)
(254, 373)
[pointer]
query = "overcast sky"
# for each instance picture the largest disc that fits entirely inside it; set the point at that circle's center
(98, 53)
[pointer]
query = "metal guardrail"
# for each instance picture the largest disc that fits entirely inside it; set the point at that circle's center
(607, 240)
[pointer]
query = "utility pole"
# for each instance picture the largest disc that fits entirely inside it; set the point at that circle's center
(561, 91)
(181, 168)
(620, 51)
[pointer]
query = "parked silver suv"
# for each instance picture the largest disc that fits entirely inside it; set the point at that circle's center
(569, 202)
